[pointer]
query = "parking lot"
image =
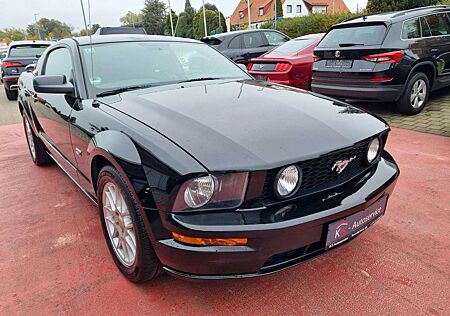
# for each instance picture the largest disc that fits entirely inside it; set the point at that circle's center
(55, 260)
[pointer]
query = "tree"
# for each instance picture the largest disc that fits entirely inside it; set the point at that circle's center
(210, 6)
(389, 5)
(94, 28)
(167, 26)
(279, 9)
(130, 18)
(12, 34)
(185, 25)
(49, 28)
(212, 23)
(153, 16)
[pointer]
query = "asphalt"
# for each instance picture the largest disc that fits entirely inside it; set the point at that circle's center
(54, 260)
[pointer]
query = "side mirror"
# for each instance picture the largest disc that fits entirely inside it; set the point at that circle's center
(243, 67)
(53, 84)
(30, 67)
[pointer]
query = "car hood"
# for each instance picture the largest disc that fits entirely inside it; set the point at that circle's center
(248, 125)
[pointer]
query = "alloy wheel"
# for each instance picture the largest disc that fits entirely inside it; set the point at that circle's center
(30, 139)
(119, 224)
(418, 94)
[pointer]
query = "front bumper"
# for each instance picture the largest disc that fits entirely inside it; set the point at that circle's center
(386, 93)
(275, 245)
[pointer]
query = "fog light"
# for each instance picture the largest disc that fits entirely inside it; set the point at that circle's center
(373, 150)
(288, 181)
(210, 241)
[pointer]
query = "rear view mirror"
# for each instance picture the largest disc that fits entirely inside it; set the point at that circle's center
(53, 84)
(30, 67)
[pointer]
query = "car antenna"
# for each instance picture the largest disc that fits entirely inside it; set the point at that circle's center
(94, 102)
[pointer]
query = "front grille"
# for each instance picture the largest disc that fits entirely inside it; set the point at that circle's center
(318, 174)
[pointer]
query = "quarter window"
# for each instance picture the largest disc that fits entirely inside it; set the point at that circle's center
(411, 29)
(59, 62)
(289, 8)
(235, 43)
(253, 40)
(274, 38)
(439, 24)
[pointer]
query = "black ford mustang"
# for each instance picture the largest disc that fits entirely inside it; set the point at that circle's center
(198, 169)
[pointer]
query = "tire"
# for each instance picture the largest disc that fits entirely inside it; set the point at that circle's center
(11, 95)
(145, 265)
(415, 96)
(37, 149)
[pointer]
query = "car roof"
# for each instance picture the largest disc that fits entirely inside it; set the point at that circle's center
(223, 35)
(314, 35)
(393, 17)
(113, 38)
(38, 42)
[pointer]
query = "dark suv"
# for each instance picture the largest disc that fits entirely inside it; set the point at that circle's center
(240, 46)
(393, 57)
(19, 55)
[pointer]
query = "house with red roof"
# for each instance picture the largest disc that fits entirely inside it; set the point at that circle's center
(263, 10)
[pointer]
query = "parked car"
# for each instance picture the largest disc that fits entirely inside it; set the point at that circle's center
(289, 64)
(198, 169)
(391, 57)
(120, 30)
(19, 55)
(240, 46)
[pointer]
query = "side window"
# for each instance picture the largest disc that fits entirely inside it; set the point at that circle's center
(274, 38)
(235, 43)
(59, 62)
(253, 40)
(411, 29)
(425, 28)
(439, 24)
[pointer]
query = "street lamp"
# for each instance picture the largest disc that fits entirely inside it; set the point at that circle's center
(204, 18)
(171, 22)
(249, 15)
(37, 25)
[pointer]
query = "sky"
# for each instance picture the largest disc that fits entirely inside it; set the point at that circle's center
(20, 13)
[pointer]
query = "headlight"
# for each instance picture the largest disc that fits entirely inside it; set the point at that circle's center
(288, 181)
(199, 191)
(212, 192)
(373, 150)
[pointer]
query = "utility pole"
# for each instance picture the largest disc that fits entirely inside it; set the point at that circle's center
(275, 16)
(37, 25)
(249, 15)
(204, 18)
(171, 22)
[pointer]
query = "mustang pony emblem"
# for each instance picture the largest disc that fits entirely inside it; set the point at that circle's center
(340, 165)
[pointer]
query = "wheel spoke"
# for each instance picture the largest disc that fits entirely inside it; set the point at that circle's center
(421, 85)
(416, 102)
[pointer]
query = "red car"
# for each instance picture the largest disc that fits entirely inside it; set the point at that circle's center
(289, 64)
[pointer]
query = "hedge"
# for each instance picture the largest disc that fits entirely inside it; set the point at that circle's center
(313, 23)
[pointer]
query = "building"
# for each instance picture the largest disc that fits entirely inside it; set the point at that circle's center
(263, 10)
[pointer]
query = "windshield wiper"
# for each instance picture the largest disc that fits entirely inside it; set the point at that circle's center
(201, 79)
(350, 44)
(124, 89)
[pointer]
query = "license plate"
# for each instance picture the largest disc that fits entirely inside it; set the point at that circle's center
(339, 63)
(349, 227)
(261, 77)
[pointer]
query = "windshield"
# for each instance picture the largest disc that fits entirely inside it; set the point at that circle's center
(27, 51)
(354, 36)
(124, 64)
(294, 45)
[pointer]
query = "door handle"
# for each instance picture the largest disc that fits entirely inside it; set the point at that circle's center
(434, 50)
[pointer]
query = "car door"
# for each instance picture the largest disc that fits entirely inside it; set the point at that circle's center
(437, 26)
(253, 45)
(53, 110)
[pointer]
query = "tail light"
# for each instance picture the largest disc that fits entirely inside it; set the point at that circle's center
(283, 67)
(11, 64)
(387, 58)
(249, 66)
(381, 79)
(316, 58)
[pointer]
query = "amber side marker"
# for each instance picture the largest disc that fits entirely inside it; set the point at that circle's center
(210, 241)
